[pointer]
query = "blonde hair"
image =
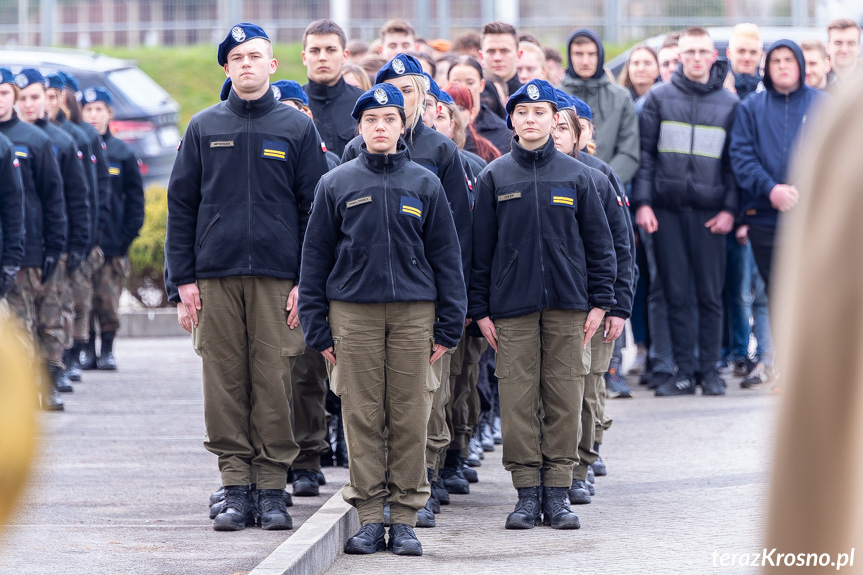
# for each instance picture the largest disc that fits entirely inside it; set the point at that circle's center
(460, 128)
(531, 47)
(416, 115)
(745, 31)
(360, 74)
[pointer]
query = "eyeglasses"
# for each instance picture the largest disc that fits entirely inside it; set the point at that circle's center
(670, 63)
(700, 53)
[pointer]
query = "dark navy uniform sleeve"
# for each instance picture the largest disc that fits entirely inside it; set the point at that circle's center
(615, 214)
(184, 198)
(318, 259)
(76, 192)
(598, 248)
(484, 242)
(352, 149)
(441, 244)
(133, 214)
(452, 178)
(49, 186)
(311, 165)
(11, 209)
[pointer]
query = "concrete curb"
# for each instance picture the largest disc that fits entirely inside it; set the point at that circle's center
(316, 544)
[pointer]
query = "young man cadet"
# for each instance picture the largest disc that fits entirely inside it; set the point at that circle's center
(238, 204)
(764, 136)
(744, 52)
(330, 98)
(44, 235)
(11, 216)
(123, 225)
(817, 64)
(81, 279)
(76, 191)
(499, 55)
(397, 37)
(541, 282)
(686, 195)
(843, 46)
(613, 110)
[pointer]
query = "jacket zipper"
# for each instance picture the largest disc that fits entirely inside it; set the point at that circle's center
(539, 229)
(387, 219)
(249, 174)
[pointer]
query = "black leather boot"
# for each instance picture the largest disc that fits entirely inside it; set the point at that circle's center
(272, 512)
(527, 510)
(451, 474)
(106, 361)
(73, 361)
(237, 510)
(556, 511)
(88, 355)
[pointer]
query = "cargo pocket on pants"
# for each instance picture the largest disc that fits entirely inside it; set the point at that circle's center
(501, 364)
(198, 331)
(434, 375)
(337, 384)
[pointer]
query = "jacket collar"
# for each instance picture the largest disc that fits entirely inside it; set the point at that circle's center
(488, 120)
(533, 158)
(718, 72)
(380, 163)
(323, 92)
(41, 122)
(413, 133)
(253, 108)
(13, 121)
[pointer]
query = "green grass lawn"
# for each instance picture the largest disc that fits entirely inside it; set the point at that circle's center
(192, 76)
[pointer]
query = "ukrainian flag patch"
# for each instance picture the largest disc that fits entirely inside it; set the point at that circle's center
(22, 152)
(273, 150)
(411, 207)
(563, 197)
(114, 169)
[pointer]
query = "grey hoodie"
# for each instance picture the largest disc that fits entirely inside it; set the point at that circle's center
(617, 141)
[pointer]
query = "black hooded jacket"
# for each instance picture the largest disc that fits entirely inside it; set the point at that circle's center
(11, 206)
(331, 107)
(685, 135)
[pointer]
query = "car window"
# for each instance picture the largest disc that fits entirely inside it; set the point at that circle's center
(139, 87)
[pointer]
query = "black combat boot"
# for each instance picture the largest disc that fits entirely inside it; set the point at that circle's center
(439, 491)
(341, 444)
(50, 398)
(271, 510)
(425, 516)
(217, 500)
(237, 510)
(106, 361)
(579, 493)
(435, 504)
(370, 538)
(88, 354)
(527, 510)
(556, 509)
(403, 540)
(468, 472)
(306, 483)
(61, 382)
(73, 362)
(451, 474)
(599, 465)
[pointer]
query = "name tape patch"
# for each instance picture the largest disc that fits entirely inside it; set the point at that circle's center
(273, 150)
(511, 196)
(222, 144)
(359, 201)
(411, 207)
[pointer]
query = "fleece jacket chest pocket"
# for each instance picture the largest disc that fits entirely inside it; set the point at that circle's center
(562, 197)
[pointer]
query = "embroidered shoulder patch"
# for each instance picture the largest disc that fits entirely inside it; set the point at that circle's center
(22, 152)
(113, 169)
(273, 150)
(411, 207)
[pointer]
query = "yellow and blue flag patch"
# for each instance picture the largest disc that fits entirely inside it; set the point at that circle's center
(273, 150)
(113, 169)
(563, 197)
(411, 207)
(22, 152)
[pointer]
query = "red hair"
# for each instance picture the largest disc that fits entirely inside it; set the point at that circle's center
(463, 98)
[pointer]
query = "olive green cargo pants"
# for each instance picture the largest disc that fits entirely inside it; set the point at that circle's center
(464, 408)
(541, 368)
(309, 382)
(594, 383)
(247, 351)
(381, 375)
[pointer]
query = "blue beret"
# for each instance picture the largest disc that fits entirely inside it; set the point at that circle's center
(533, 92)
(289, 90)
(226, 89)
(6, 76)
(378, 96)
(55, 81)
(432, 87)
(445, 98)
(242, 32)
(401, 65)
(28, 77)
(96, 94)
(70, 81)
(563, 99)
(581, 108)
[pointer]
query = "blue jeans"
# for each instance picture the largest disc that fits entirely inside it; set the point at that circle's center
(747, 305)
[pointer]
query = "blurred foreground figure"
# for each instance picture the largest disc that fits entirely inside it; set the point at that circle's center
(819, 318)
